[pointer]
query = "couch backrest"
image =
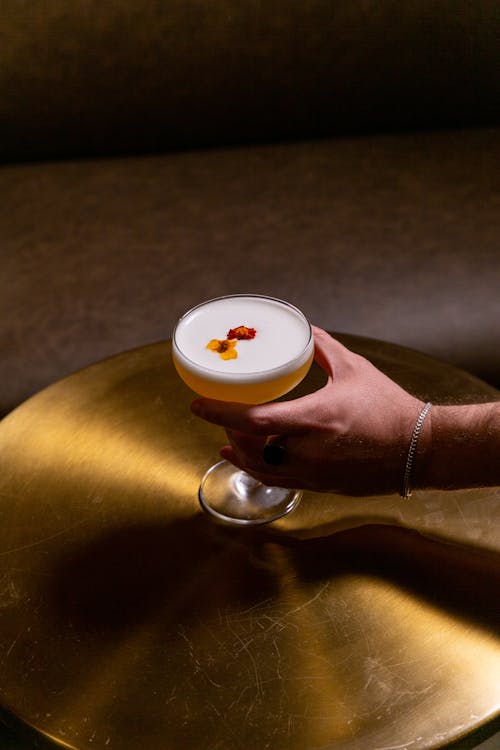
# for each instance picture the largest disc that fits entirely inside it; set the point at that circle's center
(91, 77)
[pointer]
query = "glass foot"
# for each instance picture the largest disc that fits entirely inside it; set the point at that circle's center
(234, 497)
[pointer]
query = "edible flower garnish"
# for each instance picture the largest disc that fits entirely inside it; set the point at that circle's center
(241, 333)
(224, 348)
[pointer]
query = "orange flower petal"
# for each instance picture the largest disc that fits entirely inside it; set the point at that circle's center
(213, 345)
(229, 354)
(224, 348)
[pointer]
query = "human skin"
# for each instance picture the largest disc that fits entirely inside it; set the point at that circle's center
(352, 435)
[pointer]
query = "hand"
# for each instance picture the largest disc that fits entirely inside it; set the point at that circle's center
(351, 436)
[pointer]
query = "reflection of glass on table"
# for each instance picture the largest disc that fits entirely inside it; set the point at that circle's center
(130, 620)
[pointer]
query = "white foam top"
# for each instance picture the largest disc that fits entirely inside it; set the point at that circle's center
(283, 336)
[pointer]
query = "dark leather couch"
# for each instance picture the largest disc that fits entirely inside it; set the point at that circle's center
(341, 155)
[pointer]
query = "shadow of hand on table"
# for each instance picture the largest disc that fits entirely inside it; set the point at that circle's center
(189, 568)
(461, 580)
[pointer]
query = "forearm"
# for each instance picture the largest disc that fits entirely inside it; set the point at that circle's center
(461, 447)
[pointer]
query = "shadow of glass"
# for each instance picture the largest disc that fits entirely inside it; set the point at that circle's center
(137, 572)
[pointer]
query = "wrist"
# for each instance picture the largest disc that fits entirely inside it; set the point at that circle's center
(417, 450)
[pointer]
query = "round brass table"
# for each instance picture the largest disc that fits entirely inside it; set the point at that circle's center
(129, 619)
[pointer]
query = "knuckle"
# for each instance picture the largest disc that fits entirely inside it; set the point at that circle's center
(260, 422)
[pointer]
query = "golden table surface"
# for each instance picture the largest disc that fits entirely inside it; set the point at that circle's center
(129, 619)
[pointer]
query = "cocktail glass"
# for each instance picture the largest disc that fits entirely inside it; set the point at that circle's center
(264, 368)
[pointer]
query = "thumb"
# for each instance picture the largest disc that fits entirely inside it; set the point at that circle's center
(330, 354)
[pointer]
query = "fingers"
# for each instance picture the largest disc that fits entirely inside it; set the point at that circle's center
(268, 475)
(247, 452)
(265, 419)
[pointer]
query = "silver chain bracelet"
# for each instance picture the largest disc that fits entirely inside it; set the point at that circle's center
(407, 477)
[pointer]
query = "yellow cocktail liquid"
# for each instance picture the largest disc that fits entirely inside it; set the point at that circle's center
(245, 393)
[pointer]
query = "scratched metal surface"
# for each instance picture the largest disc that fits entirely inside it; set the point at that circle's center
(128, 619)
